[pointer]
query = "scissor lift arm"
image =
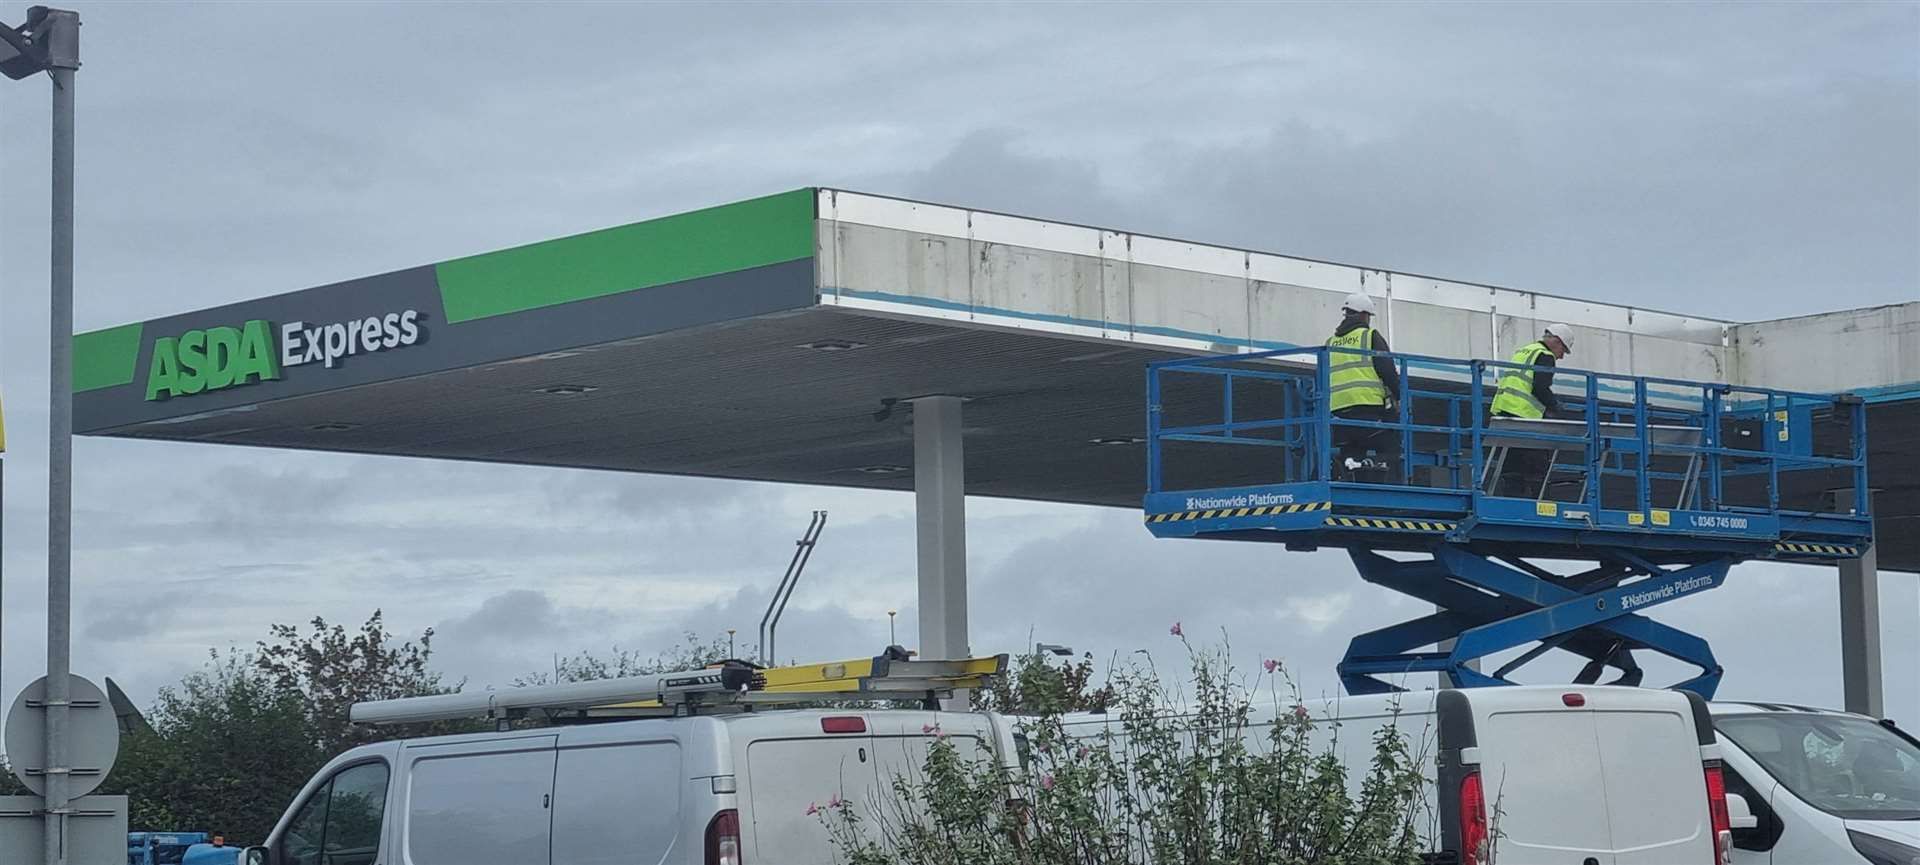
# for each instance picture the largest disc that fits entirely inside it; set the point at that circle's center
(1491, 606)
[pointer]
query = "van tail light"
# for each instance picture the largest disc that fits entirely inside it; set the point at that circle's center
(843, 724)
(723, 839)
(1473, 821)
(1717, 807)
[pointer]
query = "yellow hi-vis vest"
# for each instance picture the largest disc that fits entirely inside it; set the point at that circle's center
(1515, 396)
(1351, 379)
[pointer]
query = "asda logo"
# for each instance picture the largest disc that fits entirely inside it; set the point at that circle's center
(217, 358)
(211, 359)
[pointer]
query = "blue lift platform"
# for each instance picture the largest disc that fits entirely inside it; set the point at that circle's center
(1651, 489)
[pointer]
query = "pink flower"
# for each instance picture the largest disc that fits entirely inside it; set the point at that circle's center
(1175, 630)
(834, 802)
(812, 809)
(1271, 665)
(1083, 752)
(1046, 782)
(930, 729)
(1300, 712)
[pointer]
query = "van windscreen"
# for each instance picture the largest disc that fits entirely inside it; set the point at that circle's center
(1851, 768)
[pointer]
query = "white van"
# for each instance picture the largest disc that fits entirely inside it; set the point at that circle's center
(1578, 775)
(1825, 787)
(704, 790)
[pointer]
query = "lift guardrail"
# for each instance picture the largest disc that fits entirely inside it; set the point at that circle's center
(1627, 453)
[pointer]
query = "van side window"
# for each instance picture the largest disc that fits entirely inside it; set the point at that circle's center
(301, 844)
(340, 823)
(354, 809)
(1762, 837)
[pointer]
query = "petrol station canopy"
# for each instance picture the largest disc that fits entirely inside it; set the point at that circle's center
(783, 338)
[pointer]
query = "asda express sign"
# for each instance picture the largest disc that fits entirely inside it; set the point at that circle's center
(217, 358)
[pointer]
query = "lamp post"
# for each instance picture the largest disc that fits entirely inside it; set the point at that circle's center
(891, 639)
(50, 42)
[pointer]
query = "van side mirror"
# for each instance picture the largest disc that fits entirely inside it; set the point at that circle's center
(1739, 813)
(257, 856)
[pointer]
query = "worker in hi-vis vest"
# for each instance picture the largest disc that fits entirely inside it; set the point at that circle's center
(1527, 392)
(1361, 387)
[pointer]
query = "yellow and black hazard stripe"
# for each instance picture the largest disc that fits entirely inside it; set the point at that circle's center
(1223, 513)
(1817, 549)
(1403, 525)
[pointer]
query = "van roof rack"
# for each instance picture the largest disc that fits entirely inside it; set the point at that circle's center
(731, 685)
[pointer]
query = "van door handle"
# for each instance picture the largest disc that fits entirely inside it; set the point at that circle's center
(546, 801)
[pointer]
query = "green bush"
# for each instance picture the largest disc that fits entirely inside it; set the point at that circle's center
(1171, 779)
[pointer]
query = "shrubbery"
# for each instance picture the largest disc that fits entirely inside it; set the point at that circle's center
(1172, 778)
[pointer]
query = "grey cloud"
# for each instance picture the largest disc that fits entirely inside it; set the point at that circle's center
(518, 632)
(1822, 194)
(1110, 587)
(137, 618)
(1063, 188)
(509, 615)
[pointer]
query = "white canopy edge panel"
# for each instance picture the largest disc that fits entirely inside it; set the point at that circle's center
(899, 257)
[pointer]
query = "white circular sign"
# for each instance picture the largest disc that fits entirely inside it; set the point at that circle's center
(93, 736)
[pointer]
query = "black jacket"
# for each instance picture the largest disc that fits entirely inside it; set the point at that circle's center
(1382, 366)
(1543, 383)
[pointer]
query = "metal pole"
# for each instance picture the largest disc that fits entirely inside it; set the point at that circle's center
(3, 556)
(64, 53)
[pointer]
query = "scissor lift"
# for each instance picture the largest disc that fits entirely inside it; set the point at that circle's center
(1653, 489)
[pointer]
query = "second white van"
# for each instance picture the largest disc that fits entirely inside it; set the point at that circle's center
(1538, 774)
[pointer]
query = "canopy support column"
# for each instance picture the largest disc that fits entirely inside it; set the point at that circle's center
(939, 487)
(1860, 634)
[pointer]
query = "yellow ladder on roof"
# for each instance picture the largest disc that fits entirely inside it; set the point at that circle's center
(883, 677)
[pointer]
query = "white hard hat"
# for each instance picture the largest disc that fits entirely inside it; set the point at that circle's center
(1563, 331)
(1359, 302)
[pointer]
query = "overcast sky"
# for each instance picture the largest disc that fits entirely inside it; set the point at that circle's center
(1747, 162)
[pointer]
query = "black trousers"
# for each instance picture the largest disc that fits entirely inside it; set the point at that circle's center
(1522, 472)
(1355, 442)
